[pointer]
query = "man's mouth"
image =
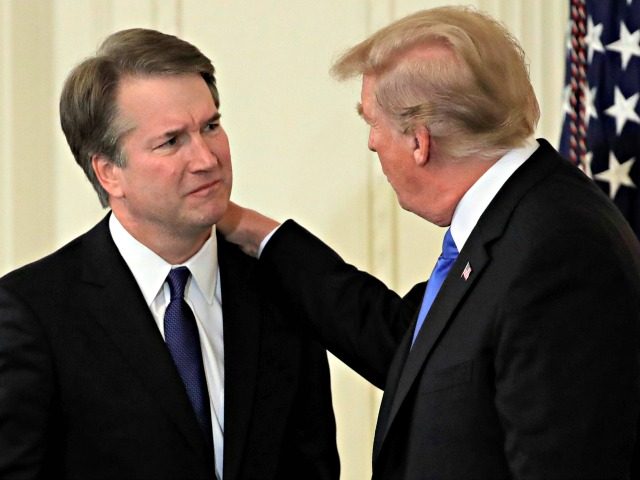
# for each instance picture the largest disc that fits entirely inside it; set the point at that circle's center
(205, 189)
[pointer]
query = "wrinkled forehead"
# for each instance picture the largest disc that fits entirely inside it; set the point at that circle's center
(165, 101)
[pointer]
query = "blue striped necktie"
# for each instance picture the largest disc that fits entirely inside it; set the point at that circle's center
(182, 338)
(440, 271)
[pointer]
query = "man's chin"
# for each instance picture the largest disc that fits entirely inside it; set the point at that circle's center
(205, 219)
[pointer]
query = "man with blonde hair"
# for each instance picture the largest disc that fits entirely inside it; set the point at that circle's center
(149, 347)
(520, 357)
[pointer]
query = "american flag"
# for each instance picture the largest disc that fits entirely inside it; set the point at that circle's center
(466, 272)
(601, 129)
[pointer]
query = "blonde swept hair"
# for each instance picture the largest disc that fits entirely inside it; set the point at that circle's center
(472, 91)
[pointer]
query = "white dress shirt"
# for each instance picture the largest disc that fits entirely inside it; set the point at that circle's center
(476, 200)
(202, 293)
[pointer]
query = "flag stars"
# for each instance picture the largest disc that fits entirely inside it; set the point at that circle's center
(592, 38)
(566, 99)
(627, 45)
(589, 104)
(607, 103)
(623, 109)
(585, 164)
(618, 175)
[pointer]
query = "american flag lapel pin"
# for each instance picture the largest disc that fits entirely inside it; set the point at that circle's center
(466, 272)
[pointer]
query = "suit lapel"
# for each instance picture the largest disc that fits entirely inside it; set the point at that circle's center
(113, 298)
(476, 253)
(452, 292)
(241, 318)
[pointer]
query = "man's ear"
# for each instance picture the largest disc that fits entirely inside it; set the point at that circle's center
(421, 147)
(108, 174)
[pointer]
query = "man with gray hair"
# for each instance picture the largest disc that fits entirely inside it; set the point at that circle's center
(150, 348)
(520, 357)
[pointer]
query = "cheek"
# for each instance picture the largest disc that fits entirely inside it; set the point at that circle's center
(371, 144)
(385, 164)
(220, 148)
(221, 144)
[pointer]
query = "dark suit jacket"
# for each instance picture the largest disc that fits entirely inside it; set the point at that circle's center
(527, 369)
(88, 388)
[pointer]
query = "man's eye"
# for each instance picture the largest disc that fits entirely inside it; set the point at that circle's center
(211, 126)
(169, 143)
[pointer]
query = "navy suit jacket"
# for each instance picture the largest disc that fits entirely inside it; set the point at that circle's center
(89, 390)
(527, 367)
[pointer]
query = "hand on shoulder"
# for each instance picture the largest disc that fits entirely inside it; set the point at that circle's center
(245, 227)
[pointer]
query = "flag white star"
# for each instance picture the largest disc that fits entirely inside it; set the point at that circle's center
(628, 44)
(617, 175)
(589, 104)
(592, 38)
(566, 99)
(585, 164)
(623, 109)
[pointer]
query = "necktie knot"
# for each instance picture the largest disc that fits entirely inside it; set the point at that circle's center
(177, 280)
(449, 249)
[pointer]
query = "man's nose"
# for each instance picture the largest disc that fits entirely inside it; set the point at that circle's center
(203, 156)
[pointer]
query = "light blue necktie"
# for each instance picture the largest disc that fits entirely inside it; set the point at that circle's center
(182, 338)
(440, 271)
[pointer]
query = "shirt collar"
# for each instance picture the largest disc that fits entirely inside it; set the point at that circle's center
(150, 270)
(476, 200)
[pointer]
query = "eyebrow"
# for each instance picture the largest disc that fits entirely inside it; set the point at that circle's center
(364, 117)
(172, 133)
(214, 118)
